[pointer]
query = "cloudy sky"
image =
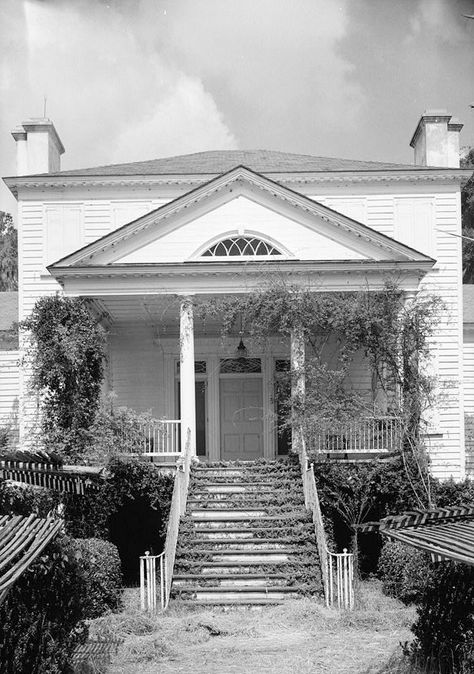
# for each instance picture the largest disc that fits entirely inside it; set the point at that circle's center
(127, 80)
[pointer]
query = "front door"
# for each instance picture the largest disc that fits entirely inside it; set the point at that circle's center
(241, 412)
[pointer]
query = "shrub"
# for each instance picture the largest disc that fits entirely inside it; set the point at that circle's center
(115, 431)
(100, 567)
(40, 619)
(451, 493)
(25, 500)
(131, 509)
(404, 571)
(355, 493)
(444, 629)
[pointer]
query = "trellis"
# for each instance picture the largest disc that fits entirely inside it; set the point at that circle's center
(40, 470)
(445, 533)
(22, 540)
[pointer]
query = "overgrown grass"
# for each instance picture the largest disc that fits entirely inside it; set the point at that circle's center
(300, 636)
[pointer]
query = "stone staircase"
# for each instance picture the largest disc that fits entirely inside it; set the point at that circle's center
(246, 537)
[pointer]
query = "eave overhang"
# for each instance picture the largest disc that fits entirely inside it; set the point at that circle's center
(221, 278)
(43, 182)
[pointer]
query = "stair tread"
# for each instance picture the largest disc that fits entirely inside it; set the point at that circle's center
(236, 530)
(230, 562)
(241, 588)
(236, 541)
(263, 518)
(236, 551)
(228, 576)
(233, 602)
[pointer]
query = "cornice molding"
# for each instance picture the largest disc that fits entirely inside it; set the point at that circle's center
(212, 269)
(36, 183)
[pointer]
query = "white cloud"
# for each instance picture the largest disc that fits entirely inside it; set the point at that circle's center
(111, 94)
(186, 120)
(436, 19)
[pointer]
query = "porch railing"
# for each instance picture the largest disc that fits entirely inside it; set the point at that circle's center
(337, 569)
(161, 437)
(156, 571)
(370, 435)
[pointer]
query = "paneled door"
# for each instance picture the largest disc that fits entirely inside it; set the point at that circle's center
(241, 414)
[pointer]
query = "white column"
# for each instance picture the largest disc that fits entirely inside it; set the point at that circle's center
(187, 387)
(298, 386)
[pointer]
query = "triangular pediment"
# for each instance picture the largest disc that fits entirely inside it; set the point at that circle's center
(240, 203)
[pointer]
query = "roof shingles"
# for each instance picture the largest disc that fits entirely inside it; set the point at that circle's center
(221, 161)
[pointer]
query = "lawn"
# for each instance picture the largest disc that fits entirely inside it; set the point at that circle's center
(300, 636)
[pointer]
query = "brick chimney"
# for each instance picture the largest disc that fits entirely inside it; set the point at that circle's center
(38, 147)
(436, 139)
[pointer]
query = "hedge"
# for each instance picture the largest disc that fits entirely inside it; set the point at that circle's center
(444, 629)
(404, 571)
(42, 617)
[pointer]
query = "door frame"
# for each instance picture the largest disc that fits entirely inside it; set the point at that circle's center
(212, 353)
(198, 377)
(242, 375)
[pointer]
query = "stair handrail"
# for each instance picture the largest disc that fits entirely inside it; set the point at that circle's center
(148, 563)
(337, 569)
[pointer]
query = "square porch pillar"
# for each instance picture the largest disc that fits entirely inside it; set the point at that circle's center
(187, 379)
(298, 385)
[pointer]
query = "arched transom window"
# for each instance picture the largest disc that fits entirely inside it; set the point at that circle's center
(241, 246)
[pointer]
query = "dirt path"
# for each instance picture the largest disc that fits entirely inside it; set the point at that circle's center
(299, 637)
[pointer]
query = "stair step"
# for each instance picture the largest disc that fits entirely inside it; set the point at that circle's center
(244, 556)
(248, 500)
(217, 601)
(247, 544)
(227, 514)
(250, 533)
(221, 487)
(231, 577)
(224, 520)
(231, 594)
(226, 582)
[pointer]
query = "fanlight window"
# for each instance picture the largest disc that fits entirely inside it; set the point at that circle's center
(237, 246)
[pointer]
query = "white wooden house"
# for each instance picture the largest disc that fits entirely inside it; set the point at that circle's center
(143, 241)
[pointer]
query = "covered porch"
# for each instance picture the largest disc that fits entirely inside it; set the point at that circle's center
(229, 394)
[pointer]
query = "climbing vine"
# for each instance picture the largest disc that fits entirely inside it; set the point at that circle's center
(67, 354)
(390, 335)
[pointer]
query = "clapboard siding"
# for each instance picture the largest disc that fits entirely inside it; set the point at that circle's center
(468, 388)
(9, 388)
(137, 371)
(445, 280)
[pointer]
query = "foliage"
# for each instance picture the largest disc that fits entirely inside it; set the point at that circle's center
(451, 493)
(444, 629)
(100, 568)
(25, 500)
(8, 253)
(354, 493)
(5, 435)
(392, 335)
(68, 353)
(404, 571)
(40, 617)
(131, 510)
(115, 431)
(128, 479)
(467, 209)
(9, 339)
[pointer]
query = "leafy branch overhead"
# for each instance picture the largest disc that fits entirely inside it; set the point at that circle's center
(467, 210)
(8, 253)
